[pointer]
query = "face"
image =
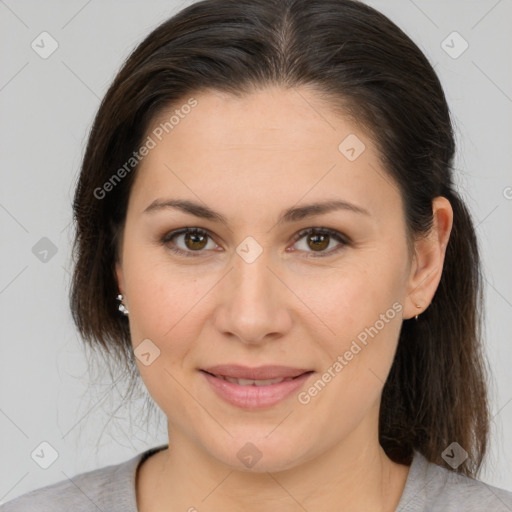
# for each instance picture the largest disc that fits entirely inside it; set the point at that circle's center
(250, 278)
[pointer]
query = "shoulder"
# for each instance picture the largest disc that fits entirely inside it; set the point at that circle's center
(437, 489)
(90, 491)
(109, 488)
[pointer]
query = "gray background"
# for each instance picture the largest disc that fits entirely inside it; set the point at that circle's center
(46, 109)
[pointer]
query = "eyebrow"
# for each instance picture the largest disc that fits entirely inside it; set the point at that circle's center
(293, 214)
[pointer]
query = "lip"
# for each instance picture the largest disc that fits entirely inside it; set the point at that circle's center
(257, 373)
(254, 397)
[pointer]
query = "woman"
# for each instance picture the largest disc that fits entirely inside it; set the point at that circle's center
(267, 190)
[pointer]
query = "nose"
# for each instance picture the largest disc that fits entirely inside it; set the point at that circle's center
(253, 302)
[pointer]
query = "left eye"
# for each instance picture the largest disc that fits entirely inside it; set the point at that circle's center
(197, 239)
(319, 239)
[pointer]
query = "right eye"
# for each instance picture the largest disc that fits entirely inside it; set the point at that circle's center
(193, 240)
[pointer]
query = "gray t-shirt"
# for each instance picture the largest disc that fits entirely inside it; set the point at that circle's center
(429, 488)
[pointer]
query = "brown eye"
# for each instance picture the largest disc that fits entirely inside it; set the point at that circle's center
(188, 241)
(195, 241)
(317, 240)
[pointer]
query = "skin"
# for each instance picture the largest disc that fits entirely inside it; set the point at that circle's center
(249, 159)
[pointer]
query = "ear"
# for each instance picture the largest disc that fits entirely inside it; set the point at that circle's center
(428, 260)
(119, 276)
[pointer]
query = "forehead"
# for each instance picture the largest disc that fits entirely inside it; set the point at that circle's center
(273, 145)
(273, 118)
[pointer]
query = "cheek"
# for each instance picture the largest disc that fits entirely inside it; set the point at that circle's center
(365, 316)
(362, 308)
(170, 308)
(356, 295)
(163, 299)
(164, 304)
(164, 308)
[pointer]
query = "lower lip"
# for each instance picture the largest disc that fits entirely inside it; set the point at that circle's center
(255, 397)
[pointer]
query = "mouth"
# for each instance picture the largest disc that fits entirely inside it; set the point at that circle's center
(256, 374)
(255, 388)
(253, 382)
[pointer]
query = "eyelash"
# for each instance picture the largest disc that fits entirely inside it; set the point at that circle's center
(344, 241)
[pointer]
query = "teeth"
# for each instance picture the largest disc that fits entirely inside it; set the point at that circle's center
(251, 382)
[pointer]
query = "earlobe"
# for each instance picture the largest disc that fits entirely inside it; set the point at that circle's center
(428, 262)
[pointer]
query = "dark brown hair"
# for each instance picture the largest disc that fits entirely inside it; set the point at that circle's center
(367, 67)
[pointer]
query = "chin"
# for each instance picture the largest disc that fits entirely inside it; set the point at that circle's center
(257, 453)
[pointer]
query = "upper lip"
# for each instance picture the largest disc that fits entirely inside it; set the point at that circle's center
(257, 373)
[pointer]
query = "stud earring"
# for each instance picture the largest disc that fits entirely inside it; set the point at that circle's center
(121, 306)
(416, 317)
